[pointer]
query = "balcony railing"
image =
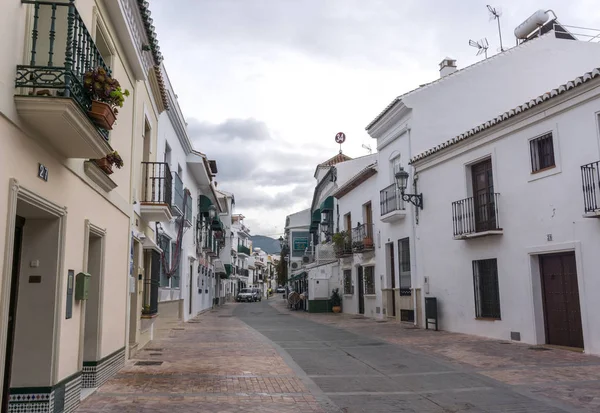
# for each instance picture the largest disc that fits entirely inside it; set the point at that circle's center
(342, 244)
(62, 50)
(590, 178)
(188, 209)
(177, 195)
(207, 241)
(475, 215)
(242, 249)
(325, 252)
(157, 183)
(390, 200)
(362, 238)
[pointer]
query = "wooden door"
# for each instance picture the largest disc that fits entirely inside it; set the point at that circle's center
(361, 291)
(191, 284)
(369, 220)
(483, 196)
(348, 219)
(12, 311)
(560, 293)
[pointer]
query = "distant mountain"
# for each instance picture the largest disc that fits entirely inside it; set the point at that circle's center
(267, 244)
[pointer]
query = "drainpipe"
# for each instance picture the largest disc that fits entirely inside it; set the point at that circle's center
(414, 233)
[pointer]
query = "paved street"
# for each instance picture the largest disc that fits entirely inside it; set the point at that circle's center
(261, 357)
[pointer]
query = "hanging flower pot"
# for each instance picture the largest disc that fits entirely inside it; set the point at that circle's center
(105, 165)
(102, 115)
(106, 95)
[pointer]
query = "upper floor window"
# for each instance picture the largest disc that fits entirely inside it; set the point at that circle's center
(487, 292)
(542, 152)
(394, 167)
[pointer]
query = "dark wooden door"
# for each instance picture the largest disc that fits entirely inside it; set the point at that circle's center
(562, 313)
(12, 311)
(393, 276)
(483, 196)
(361, 291)
(191, 285)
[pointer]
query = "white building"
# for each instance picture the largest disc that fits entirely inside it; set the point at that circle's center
(361, 279)
(509, 236)
(226, 283)
(180, 295)
(241, 251)
(424, 117)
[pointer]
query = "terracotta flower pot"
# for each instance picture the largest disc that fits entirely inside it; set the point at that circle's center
(368, 242)
(104, 165)
(336, 309)
(102, 115)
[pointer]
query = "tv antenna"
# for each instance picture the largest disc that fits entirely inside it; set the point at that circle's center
(495, 14)
(482, 45)
(368, 148)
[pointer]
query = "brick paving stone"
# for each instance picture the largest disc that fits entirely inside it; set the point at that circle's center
(214, 364)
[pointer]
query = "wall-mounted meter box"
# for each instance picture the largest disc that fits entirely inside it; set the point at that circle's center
(82, 286)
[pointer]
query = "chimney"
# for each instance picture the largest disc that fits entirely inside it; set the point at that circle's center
(447, 66)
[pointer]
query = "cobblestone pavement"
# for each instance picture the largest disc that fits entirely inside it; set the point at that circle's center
(463, 373)
(261, 357)
(215, 363)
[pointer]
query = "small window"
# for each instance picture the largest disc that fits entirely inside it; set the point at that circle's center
(542, 152)
(487, 293)
(165, 261)
(395, 167)
(369, 280)
(404, 264)
(348, 282)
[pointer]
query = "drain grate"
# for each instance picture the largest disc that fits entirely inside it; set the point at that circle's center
(358, 318)
(539, 349)
(153, 349)
(226, 315)
(156, 354)
(178, 328)
(282, 314)
(372, 344)
(148, 363)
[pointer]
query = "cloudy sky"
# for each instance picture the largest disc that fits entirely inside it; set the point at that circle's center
(266, 84)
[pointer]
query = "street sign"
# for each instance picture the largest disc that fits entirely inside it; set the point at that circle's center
(340, 137)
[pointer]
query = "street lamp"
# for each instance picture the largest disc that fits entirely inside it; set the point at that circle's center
(281, 242)
(212, 212)
(402, 182)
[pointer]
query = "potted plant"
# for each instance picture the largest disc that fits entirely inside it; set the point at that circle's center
(340, 240)
(336, 301)
(368, 242)
(106, 95)
(108, 161)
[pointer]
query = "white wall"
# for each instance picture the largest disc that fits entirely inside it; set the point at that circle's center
(353, 203)
(530, 208)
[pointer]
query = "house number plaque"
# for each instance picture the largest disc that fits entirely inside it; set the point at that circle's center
(42, 172)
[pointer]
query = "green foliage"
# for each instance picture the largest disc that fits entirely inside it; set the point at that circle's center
(115, 159)
(103, 88)
(336, 299)
(282, 275)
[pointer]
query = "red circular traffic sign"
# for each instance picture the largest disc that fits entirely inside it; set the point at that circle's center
(340, 137)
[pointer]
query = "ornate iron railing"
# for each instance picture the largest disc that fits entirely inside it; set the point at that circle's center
(344, 247)
(157, 181)
(177, 193)
(590, 179)
(62, 50)
(475, 214)
(390, 200)
(362, 238)
(242, 249)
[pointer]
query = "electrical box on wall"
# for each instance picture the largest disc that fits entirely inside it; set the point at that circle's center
(319, 289)
(82, 286)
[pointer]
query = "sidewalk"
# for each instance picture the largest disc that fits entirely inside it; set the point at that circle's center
(566, 376)
(215, 363)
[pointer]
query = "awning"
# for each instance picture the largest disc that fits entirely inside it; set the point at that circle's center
(219, 267)
(298, 276)
(327, 204)
(217, 224)
(203, 203)
(316, 217)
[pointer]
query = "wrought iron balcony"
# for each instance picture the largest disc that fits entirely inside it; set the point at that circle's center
(590, 179)
(476, 216)
(188, 210)
(208, 241)
(178, 195)
(50, 95)
(242, 249)
(325, 252)
(342, 244)
(157, 183)
(392, 204)
(362, 238)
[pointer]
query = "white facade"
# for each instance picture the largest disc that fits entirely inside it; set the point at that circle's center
(425, 117)
(241, 252)
(190, 289)
(539, 213)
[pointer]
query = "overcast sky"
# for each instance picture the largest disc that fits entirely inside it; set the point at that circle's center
(266, 84)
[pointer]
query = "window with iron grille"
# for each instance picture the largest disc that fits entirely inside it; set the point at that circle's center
(369, 280)
(348, 282)
(177, 276)
(404, 265)
(487, 293)
(542, 152)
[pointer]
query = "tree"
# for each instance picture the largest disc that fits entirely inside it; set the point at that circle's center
(282, 275)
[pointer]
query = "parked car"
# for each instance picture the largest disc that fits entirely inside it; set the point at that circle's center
(257, 295)
(280, 290)
(245, 294)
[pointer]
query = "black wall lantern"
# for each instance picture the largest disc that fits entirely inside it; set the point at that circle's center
(402, 182)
